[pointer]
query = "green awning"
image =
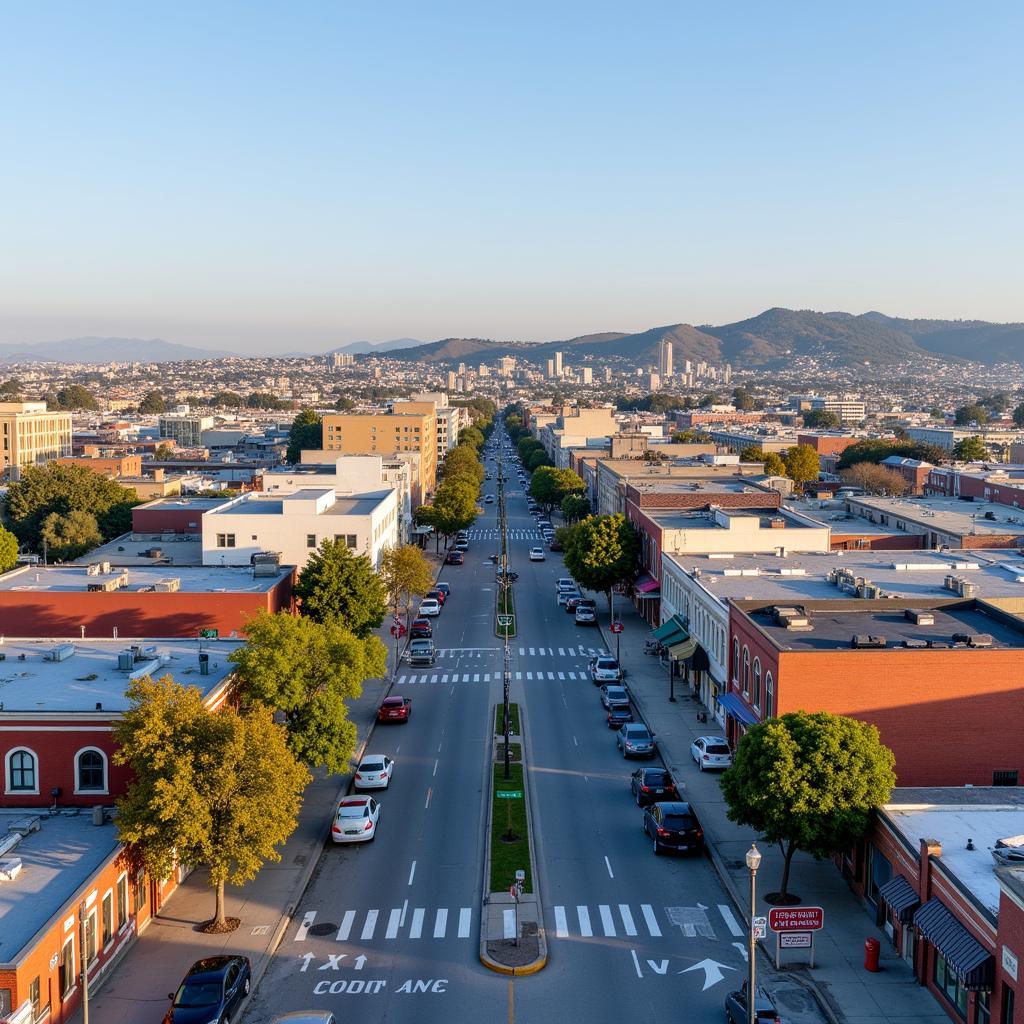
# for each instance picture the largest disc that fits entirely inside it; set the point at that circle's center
(671, 632)
(680, 651)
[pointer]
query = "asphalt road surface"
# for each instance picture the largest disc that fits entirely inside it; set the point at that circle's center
(389, 930)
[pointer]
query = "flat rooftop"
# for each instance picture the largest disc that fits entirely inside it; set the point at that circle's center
(38, 683)
(833, 624)
(950, 515)
(835, 516)
(57, 860)
(346, 505)
(952, 816)
(706, 520)
(180, 503)
(128, 551)
(139, 579)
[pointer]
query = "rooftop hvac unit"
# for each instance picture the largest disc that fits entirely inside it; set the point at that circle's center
(938, 645)
(61, 652)
(915, 644)
(973, 639)
(864, 641)
(968, 589)
(10, 868)
(922, 618)
(125, 661)
(169, 585)
(92, 569)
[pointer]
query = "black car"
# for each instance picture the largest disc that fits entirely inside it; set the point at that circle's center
(736, 1007)
(672, 825)
(651, 786)
(212, 990)
(619, 716)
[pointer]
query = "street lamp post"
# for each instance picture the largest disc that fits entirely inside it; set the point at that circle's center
(753, 863)
(671, 680)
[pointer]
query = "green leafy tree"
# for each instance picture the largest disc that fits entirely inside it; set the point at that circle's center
(970, 414)
(405, 573)
(462, 462)
(601, 552)
(743, 399)
(970, 449)
(822, 419)
(10, 389)
(773, 464)
(537, 458)
(305, 434)
(802, 463)
(8, 550)
(877, 449)
(74, 396)
(1018, 416)
(153, 402)
(265, 400)
(344, 403)
(338, 585)
(690, 436)
(549, 485)
(308, 670)
(454, 507)
(808, 782)
(472, 437)
(575, 507)
(71, 534)
(213, 788)
(526, 446)
(227, 400)
(163, 453)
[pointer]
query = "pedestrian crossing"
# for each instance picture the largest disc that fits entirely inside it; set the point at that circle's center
(488, 668)
(514, 533)
(530, 675)
(462, 653)
(602, 920)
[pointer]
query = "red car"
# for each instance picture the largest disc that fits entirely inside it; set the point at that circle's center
(455, 558)
(421, 630)
(395, 709)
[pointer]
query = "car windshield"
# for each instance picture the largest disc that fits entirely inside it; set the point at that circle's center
(657, 777)
(606, 663)
(200, 993)
(637, 732)
(717, 748)
(679, 821)
(372, 766)
(352, 811)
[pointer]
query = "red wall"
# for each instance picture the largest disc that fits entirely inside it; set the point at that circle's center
(1011, 934)
(877, 542)
(172, 520)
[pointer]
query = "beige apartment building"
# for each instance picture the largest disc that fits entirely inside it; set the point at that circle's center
(408, 427)
(29, 435)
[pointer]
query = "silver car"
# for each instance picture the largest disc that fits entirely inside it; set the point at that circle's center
(711, 752)
(614, 697)
(636, 741)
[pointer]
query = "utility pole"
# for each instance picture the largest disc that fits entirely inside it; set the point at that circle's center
(504, 587)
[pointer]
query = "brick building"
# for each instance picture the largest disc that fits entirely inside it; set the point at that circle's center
(180, 516)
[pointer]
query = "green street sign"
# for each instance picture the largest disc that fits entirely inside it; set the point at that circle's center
(504, 620)
(509, 794)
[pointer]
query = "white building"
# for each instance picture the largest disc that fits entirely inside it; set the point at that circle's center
(293, 525)
(665, 358)
(587, 374)
(186, 430)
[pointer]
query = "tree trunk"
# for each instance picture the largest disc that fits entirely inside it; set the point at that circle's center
(219, 920)
(787, 854)
(610, 619)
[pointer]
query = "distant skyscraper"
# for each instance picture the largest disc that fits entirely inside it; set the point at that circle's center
(608, 374)
(551, 367)
(483, 370)
(653, 382)
(687, 367)
(727, 375)
(462, 369)
(558, 364)
(507, 365)
(451, 380)
(588, 375)
(665, 358)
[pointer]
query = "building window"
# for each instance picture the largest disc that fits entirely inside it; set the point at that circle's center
(746, 671)
(33, 997)
(90, 771)
(310, 540)
(982, 1008)
(769, 695)
(91, 944)
(108, 918)
(5, 1001)
(140, 890)
(66, 974)
(949, 985)
(22, 771)
(225, 540)
(757, 682)
(122, 901)
(735, 659)
(1008, 995)
(1004, 778)
(351, 540)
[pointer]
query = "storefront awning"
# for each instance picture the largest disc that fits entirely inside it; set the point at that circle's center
(683, 649)
(646, 583)
(735, 707)
(899, 895)
(969, 960)
(671, 632)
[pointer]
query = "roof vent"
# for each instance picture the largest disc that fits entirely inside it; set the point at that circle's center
(922, 618)
(10, 868)
(973, 639)
(915, 644)
(864, 641)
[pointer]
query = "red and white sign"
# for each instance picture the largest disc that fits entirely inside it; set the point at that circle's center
(796, 919)
(616, 627)
(795, 940)
(398, 630)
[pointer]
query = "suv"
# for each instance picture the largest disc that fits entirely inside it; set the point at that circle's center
(586, 613)
(605, 669)
(673, 826)
(421, 652)
(736, 1007)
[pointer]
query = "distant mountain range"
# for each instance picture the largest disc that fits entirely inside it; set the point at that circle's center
(768, 340)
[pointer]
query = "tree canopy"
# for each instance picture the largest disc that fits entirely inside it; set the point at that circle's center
(970, 449)
(808, 782)
(338, 584)
(153, 402)
(970, 414)
(537, 458)
(463, 462)
(802, 463)
(575, 507)
(74, 396)
(772, 461)
(405, 573)
(454, 506)
(602, 551)
(305, 434)
(308, 670)
(70, 534)
(876, 479)
(549, 485)
(227, 400)
(471, 436)
(875, 449)
(213, 788)
(822, 419)
(8, 550)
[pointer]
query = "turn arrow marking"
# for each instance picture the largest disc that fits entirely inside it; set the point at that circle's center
(360, 960)
(712, 972)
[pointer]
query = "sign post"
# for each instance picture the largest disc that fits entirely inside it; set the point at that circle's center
(794, 928)
(616, 628)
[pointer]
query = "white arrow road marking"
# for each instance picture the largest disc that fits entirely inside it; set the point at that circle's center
(307, 922)
(360, 960)
(305, 961)
(650, 919)
(730, 921)
(658, 966)
(416, 927)
(712, 972)
(346, 925)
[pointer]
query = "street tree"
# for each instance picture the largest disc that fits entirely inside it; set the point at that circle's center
(876, 479)
(308, 671)
(305, 434)
(338, 584)
(10, 390)
(406, 573)
(214, 788)
(1018, 415)
(575, 507)
(970, 449)
(71, 534)
(601, 552)
(454, 506)
(538, 457)
(802, 463)
(463, 462)
(8, 550)
(808, 782)
(163, 453)
(548, 485)
(471, 436)
(527, 445)
(74, 396)
(772, 461)
(876, 449)
(153, 402)
(227, 400)
(971, 414)
(822, 419)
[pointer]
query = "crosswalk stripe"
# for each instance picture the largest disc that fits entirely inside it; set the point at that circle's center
(401, 680)
(531, 652)
(465, 917)
(529, 675)
(584, 915)
(551, 675)
(487, 677)
(561, 925)
(627, 919)
(730, 921)
(476, 678)
(433, 679)
(607, 922)
(416, 926)
(346, 925)
(561, 652)
(440, 923)
(522, 651)
(393, 920)
(572, 675)
(444, 678)
(369, 925)
(652, 922)
(519, 675)
(561, 675)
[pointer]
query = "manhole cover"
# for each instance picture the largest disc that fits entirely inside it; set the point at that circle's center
(323, 929)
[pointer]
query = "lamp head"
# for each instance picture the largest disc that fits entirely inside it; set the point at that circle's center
(753, 857)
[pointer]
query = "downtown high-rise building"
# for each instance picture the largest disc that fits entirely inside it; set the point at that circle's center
(558, 364)
(551, 368)
(587, 374)
(665, 358)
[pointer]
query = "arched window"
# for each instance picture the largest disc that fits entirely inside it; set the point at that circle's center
(757, 683)
(22, 771)
(735, 659)
(769, 695)
(90, 771)
(746, 670)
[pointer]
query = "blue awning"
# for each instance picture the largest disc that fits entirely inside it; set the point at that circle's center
(970, 961)
(735, 707)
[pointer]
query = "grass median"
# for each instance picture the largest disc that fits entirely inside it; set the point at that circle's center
(513, 720)
(506, 606)
(510, 844)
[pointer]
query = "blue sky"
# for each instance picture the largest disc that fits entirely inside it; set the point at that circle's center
(266, 177)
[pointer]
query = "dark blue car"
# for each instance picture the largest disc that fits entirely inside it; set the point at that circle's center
(212, 991)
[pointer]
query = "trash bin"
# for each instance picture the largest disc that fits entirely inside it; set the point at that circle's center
(872, 949)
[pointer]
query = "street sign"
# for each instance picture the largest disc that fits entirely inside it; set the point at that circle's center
(509, 794)
(795, 940)
(760, 927)
(398, 630)
(504, 620)
(796, 919)
(616, 627)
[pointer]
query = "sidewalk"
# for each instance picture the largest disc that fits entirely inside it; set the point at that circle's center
(845, 990)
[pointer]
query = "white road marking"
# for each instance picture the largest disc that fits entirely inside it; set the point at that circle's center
(465, 919)
(531, 652)
(561, 675)
(440, 923)
(307, 922)
(476, 678)
(561, 925)
(584, 915)
(487, 677)
(627, 919)
(508, 921)
(636, 964)
(522, 651)
(607, 922)
(529, 675)
(519, 675)
(652, 922)
(405, 910)
(427, 804)
(444, 678)
(551, 675)
(393, 919)
(608, 865)
(561, 652)
(433, 679)
(401, 680)
(576, 741)
(346, 925)
(730, 921)
(564, 703)
(412, 872)
(436, 763)
(369, 925)
(416, 927)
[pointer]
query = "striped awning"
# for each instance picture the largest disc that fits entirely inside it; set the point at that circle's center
(901, 897)
(670, 632)
(968, 959)
(683, 650)
(646, 583)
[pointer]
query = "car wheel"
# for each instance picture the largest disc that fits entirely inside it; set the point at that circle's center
(657, 848)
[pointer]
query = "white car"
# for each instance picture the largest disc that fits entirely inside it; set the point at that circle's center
(565, 583)
(711, 752)
(356, 820)
(430, 607)
(605, 669)
(537, 554)
(374, 772)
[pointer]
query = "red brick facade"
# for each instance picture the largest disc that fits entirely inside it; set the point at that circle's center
(695, 501)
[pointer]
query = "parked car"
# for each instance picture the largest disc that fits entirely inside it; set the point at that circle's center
(356, 819)
(437, 594)
(636, 741)
(652, 785)
(586, 613)
(572, 601)
(605, 669)
(445, 588)
(537, 555)
(395, 709)
(455, 557)
(421, 652)
(553, 545)
(306, 1017)
(430, 606)
(374, 772)
(736, 1007)
(672, 825)
(565, 596)
(462, 545)
(619, 716)
(565, 583)
(711, 752)
(421, 629)
(212, 990)
(614, 696)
